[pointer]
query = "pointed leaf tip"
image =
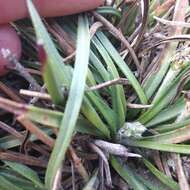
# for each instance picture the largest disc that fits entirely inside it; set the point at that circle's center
(42, 55)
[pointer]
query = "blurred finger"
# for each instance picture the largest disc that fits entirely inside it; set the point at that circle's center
(17, 9)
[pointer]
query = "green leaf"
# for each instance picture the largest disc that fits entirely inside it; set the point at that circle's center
(153, 83)
(46, 117)
(9, 141)
(168, 113)
(85, 127)
(52, 118)
(93, 117)
(102, 107)
(172, 126)
(127, 174)
(73, 104)
(175, 136)
(108, 10)
(96, 63)
(56, 74)
(21, 182)
(26, 172)
(156, 108)
(178, 148)
(154, 185)
(167, 93)
(7, 185)
(118, 96)
(123, 66)
(162, 177)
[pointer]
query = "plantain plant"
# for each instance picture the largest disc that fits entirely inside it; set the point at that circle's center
(159, 122)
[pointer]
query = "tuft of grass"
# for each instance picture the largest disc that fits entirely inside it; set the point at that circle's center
(98, 92)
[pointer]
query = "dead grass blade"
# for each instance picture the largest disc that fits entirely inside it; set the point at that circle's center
(35, 130)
